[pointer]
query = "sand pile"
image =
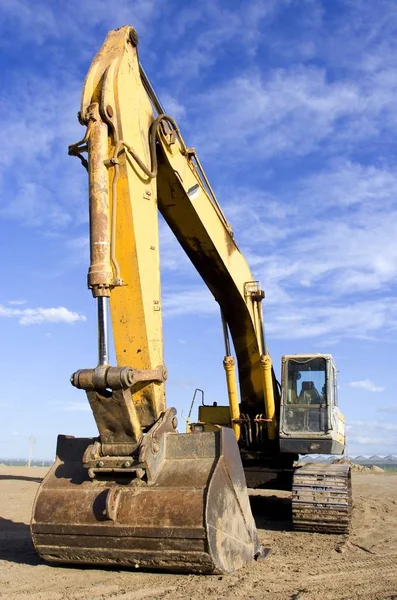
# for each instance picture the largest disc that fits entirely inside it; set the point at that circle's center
(359, 468)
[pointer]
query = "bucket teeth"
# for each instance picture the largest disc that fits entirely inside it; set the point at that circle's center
(196, 516)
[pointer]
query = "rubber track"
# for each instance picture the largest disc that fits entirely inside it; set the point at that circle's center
(321, 498)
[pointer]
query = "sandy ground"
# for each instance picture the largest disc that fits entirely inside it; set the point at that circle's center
(302, 566)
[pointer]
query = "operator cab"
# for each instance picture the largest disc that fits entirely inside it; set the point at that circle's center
(310, 420)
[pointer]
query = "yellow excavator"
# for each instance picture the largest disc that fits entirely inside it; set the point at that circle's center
(141, 494)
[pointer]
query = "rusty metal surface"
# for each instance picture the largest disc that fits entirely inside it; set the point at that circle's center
(322, 498)
(113, 451)
(100, 274)
(117, 421)
(110, 394)
(116, 378)
(195, 518)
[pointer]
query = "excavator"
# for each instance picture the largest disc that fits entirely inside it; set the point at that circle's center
(141, 494)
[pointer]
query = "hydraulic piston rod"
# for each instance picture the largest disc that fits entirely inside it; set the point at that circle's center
(103, 343)
(229, 364)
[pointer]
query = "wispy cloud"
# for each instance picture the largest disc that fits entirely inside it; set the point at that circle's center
(38, 125)
(319, 317)
(38, 110)
(366, 384)
(362, 440)
(16, 302)
(79, 20)
(172, 105)
(347, 184)
(332, 97)
(219, 28)
(327, 261)
(288, 111)
(37, 316)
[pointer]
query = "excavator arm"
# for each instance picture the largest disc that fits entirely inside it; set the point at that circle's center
(139, 163)
(144, 164)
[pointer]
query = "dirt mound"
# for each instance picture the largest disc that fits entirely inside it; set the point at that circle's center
(376, 469)
(359, 468)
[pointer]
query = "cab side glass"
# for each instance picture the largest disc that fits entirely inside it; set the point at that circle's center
(307, 381)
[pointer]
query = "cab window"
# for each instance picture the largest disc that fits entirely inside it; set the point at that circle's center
(307, 381)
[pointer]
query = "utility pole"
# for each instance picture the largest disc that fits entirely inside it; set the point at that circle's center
(32, 441)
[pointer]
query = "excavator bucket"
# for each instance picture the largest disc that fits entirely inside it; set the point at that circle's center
(195, 518)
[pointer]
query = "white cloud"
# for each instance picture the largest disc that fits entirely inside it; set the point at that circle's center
(173, 107)
(323, 250)
(361, 438)
(366, 384)
(50, 187)
(325, 273)
(16, 302)
(348, 183)
(286, 111)
(34, 205)
(316, 316)
(324, 276)
(37, 316)
(293, 110)
(40, 22)
(216, 28)
(289, 107)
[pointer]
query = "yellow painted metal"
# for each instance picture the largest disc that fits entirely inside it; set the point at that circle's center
(266, 365)
(340, 433)
(229, 365)
(211, 418)
(114, 81)
(216, 415)
(205, 236)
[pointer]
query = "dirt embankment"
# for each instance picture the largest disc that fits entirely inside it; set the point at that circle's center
(302, 566)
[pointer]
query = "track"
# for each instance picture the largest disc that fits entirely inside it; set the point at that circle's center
(321, 498)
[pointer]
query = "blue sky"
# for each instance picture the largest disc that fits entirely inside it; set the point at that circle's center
(292, 106)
